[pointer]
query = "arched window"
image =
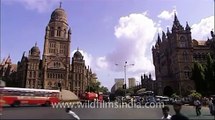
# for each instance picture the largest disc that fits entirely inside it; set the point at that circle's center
(52, 31)
(30, 75)
(199, 56)
(194, 56)
(58, 31)
(185, 56)
(65, 33)
(182, 42)
(34, 74)
(187, 72)
(58, 76)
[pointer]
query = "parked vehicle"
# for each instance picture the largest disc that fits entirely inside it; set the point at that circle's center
(91, 97)
(164, 99)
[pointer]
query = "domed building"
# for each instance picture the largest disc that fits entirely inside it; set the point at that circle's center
(55, 69)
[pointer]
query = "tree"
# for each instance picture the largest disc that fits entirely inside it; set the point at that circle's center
(130, 91)
(195, 95)
(103, 89)
(199, 78)
(120, 92)
(93, 86)
(209, 74)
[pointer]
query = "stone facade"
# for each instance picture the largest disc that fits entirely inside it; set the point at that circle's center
(173, 57)
(148, 83)
(55, 70)
(8, 72)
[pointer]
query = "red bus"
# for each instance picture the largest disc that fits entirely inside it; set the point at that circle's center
(18, 96)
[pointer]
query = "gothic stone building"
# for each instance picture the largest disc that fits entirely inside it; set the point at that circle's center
(55, 69)
(8, 72)
(173, 57)
(148, 83)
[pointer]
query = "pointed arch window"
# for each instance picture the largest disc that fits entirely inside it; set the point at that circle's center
(185, 56)
(182, 42)
(187, 73)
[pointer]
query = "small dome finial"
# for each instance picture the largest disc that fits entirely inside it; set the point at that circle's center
(35, 44)
(77, 48)
(60, 4)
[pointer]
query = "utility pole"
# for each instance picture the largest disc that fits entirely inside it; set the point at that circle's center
(125, 66)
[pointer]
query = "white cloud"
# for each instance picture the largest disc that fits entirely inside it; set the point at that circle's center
(101, 63)
(167, 15)
(201, 30)
(135, 36)
(38, 5)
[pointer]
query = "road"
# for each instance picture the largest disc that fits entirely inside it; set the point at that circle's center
(33, 112)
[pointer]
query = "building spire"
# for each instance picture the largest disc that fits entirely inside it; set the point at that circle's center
(60, 4)
(187, 26)
(168, 32)
(159, 39)
(175, 17)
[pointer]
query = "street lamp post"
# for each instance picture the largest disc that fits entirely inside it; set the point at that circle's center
(125, 65)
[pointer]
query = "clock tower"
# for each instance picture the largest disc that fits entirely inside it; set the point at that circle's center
(56, 52)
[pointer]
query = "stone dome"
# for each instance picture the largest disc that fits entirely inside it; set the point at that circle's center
(59, 14)
(35, 50)
(78, 54)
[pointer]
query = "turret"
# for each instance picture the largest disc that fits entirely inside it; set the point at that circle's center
(176, 24)
(187, 28)
(163, 36)
(159, 40)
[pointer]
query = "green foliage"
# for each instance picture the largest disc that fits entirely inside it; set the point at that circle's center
(103, 89)
(199, 77)
(203, 76)
(210, 74)
(174, 95)
(130, 91)
(120, 92)
(96, 87)
(195, 95)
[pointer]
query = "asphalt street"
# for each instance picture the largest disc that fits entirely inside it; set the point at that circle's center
(36, 112)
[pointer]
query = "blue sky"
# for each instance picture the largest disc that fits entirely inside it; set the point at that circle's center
(106, 31)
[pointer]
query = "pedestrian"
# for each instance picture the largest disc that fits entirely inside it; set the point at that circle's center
(178, 116)
(166, 115)
(210, 105)
(213, 107)
(70, 112)
(198, 106)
